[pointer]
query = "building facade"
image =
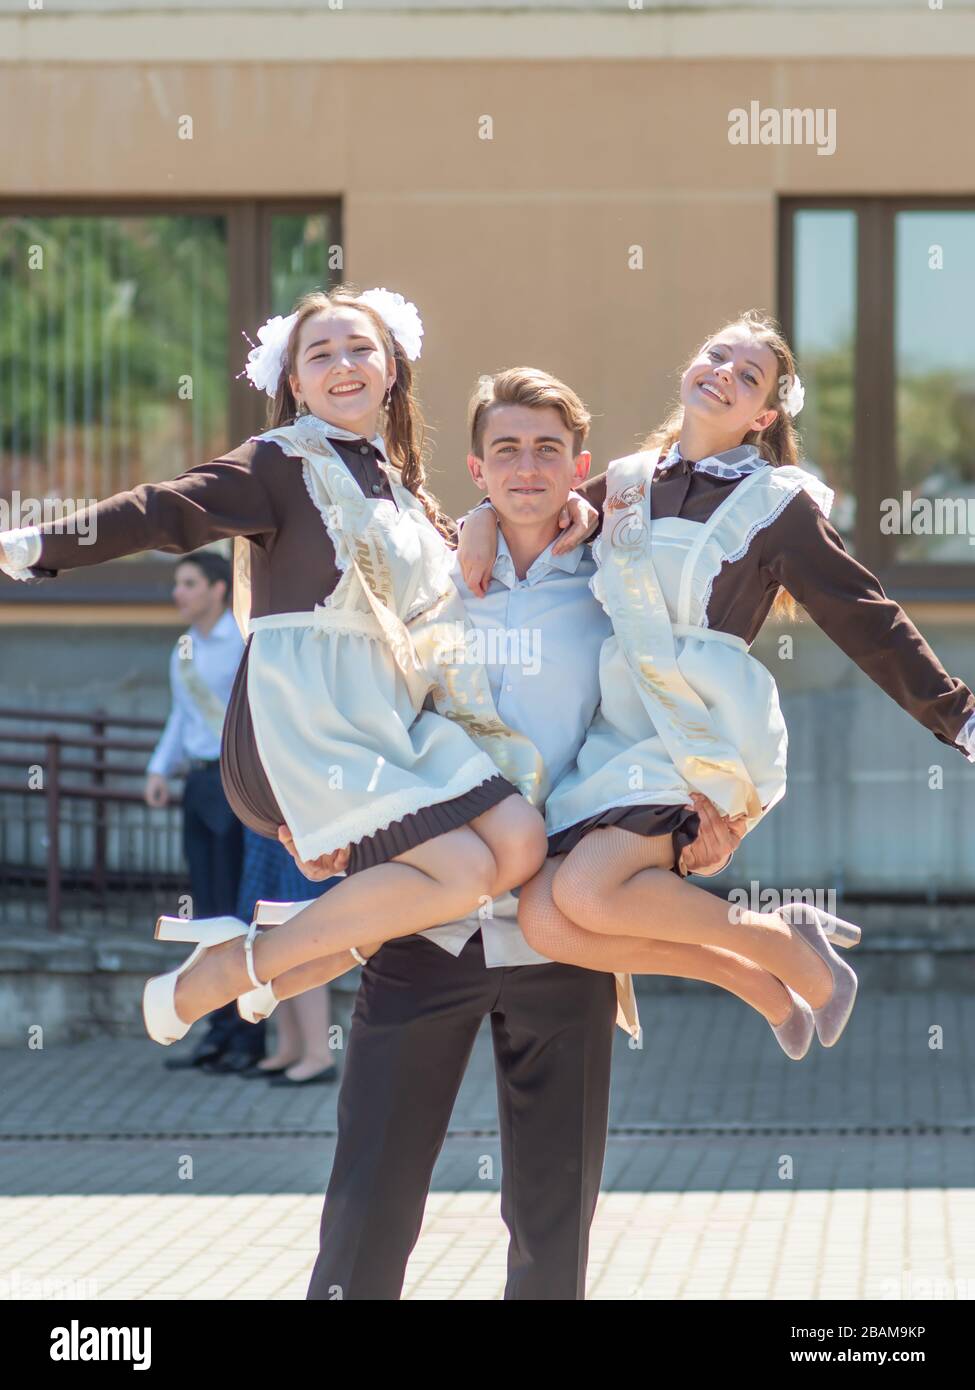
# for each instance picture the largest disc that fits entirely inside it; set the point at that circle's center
(586, 187)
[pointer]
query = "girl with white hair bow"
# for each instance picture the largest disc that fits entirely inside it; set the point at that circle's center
(707, 529)
(343, 591)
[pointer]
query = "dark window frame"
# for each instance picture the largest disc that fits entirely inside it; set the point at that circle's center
(249, 294)
(874, 424)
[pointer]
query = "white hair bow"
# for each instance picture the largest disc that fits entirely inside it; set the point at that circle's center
(265, 358)
(792, 396)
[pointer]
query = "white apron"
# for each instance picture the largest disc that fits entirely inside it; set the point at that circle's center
(683, 707)
(336, 694)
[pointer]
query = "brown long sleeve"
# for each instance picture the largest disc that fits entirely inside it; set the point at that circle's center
(225, 497)
(594, 491)
(805, 554)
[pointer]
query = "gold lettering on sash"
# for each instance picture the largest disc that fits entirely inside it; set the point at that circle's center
(375, 568)
(620, 501)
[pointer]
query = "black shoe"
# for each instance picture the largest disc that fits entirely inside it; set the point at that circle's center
(230, 1062)
(254, 1071)
(321, 1078)
(203, 1058)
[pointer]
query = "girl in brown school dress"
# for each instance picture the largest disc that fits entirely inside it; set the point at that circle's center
(702, 531)
(326, 733)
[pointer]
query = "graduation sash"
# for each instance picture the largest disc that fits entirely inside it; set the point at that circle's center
(210, 706)
(643, 627)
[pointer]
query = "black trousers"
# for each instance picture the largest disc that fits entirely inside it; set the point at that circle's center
(415, 1020)
(213, 842)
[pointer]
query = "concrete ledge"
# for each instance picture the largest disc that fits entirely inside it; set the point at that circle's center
(75, 988)
(302, 35)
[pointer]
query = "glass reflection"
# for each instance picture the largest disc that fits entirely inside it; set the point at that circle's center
(934, 517)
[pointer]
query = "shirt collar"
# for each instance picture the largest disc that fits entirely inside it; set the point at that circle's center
(732, 463)
(337, 432)
(504, 565)
(224, 625)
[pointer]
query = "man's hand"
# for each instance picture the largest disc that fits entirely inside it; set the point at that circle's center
(316, 869)
(578, 519)
(157, 790)
(477, 549)
(718, 838)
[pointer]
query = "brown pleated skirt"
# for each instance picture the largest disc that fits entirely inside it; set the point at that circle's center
(254, 803)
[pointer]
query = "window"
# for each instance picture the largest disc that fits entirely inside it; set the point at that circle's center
(934, 301)
(876, 299)
(120, 339)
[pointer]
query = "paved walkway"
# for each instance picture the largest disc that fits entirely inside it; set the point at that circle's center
(731, 1172)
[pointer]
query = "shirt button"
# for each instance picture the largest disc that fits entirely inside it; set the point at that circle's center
(507, 687)
(376, 487)
(363, 448)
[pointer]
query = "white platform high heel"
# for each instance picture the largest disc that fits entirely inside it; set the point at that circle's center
(258, 1004)
(163, 1023)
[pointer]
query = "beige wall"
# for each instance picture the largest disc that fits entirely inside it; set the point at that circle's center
(514, 249)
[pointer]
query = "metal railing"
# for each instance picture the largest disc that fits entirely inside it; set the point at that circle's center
(96, 839)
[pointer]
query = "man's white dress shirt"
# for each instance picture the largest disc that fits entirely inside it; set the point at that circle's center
(539, 640)
(188, 733)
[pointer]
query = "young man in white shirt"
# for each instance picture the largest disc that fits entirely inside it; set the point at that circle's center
(423, 998)
(202, 668)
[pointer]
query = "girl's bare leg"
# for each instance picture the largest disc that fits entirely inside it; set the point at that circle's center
(287, 1049)
(313, 973)
(487, 827)
(514, 832)
(618, 882)
(302, 1036)
(313, 1018)
(436, 882)
(549, 931)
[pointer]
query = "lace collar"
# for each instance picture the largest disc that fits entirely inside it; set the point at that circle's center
(732, 463)
(317, 425)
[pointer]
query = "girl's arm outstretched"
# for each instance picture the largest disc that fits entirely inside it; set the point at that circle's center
(804, 553)
(222, 498)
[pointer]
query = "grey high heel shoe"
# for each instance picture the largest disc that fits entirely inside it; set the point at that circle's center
(820, 929)
(795, 1033)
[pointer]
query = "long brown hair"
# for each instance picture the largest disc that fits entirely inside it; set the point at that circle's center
(405, 430)
(778, 443)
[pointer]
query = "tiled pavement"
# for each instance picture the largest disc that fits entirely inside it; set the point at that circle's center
(731, 1172)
